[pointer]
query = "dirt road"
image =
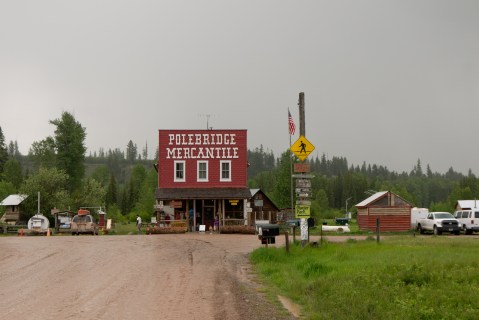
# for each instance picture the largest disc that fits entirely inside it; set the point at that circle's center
(187, 276)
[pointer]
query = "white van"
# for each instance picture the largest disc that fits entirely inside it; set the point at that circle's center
(468, 220)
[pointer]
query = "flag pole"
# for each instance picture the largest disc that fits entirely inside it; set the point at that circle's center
(291, 175)
(291, 131)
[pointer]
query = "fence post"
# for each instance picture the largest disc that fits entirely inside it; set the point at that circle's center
(378, 226)
(286, 239)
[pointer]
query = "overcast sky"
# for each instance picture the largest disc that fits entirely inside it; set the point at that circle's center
(385, 82)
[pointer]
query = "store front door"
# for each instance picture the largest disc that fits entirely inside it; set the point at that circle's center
(209, 213)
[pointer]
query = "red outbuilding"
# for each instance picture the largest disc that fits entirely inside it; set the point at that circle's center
(394, 212)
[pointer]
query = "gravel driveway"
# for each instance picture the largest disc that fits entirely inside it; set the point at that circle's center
(186, 276)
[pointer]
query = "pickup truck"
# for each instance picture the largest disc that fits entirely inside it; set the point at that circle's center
(439, 222)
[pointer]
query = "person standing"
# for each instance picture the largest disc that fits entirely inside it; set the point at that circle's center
(138, 223)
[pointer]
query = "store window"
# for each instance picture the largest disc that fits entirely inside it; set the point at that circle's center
(179, 171)
(202, 172)
(225, 173)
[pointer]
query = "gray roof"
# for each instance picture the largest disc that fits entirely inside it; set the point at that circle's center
(468, 204)
(13, 200)
(202, 193)
(254, 191)
(371, 199)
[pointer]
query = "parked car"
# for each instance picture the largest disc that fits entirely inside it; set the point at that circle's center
(84, 222)
(468, 220)
(439, 222)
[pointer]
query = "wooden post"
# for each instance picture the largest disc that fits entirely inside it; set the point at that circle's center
(302, 120)
(378, 226)
(286, 239)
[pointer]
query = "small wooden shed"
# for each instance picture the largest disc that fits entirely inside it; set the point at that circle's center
(13, 208)
(394, 212)
(262, 207)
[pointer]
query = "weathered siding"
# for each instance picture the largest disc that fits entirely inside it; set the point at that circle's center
(391, 219)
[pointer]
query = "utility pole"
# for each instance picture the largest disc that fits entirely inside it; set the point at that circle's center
(302, 148)
(302, 132)
(302, 118)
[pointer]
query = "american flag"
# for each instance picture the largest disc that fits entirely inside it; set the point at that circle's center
(292, 127)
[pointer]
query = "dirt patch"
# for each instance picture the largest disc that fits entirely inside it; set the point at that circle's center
(174, 276)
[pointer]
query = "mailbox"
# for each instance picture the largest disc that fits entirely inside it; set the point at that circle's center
(267, 240)
(268, 230)
(267, 233)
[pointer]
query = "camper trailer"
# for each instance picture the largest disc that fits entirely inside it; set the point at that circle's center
(417, 213)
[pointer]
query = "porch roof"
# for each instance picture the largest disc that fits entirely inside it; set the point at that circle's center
(202, 193)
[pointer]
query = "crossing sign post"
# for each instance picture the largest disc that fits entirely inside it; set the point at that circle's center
(302, 148)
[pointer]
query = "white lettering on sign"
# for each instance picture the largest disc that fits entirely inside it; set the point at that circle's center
(195, 146)
(205, 139)
(202, 153)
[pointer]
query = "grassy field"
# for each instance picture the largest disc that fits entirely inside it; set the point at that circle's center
(403, 277)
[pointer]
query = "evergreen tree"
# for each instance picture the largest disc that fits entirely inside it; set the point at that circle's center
(131, 152)
(3, 152)
(111, 194)
(145, 151)
(281, 194)
(70, 148)
(13, 172)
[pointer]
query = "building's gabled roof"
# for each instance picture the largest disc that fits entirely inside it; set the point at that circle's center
(13, 200)
(371, 199)
(384, 198)
(468, 204)
(254, 191)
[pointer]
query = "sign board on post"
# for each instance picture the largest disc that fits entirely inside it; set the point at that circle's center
(302, 148)
(302, 167)
(303, 183)
(302, 211)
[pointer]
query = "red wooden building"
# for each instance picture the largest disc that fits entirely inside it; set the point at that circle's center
(393, 211)
(202, 175)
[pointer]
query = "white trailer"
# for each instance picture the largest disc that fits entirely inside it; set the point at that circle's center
(418, 213)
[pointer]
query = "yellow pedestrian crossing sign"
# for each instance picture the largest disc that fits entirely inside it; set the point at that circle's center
(302, 148)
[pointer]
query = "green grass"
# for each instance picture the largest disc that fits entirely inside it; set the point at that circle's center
(402, 277)
(122, 229)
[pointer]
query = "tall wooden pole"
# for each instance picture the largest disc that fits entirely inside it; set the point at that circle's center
(302, 132)
(302, 118)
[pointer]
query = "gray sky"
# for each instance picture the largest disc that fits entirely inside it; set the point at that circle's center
(385, 82)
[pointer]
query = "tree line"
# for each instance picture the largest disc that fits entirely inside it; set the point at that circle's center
(57, 167)
(125, 182)
(338, 186)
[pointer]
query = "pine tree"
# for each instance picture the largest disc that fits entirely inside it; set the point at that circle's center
(3, 152)
(70, 148)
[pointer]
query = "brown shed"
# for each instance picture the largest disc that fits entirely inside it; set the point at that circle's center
(262, 207)
(394, 212)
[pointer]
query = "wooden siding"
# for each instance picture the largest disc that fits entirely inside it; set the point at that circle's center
(391, 218)
(387, 223)
(238, 167)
